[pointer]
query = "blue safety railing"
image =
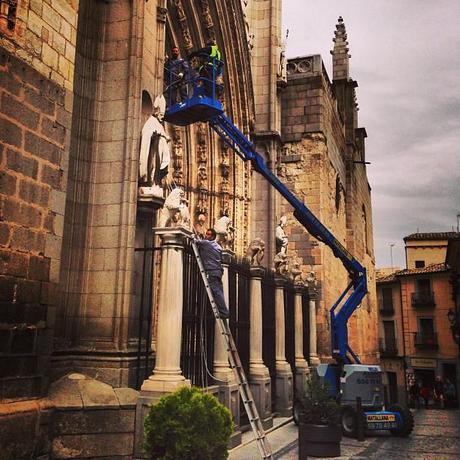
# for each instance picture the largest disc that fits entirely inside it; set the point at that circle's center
(194, 97)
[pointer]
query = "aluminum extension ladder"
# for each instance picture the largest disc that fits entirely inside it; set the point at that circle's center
(235, 364)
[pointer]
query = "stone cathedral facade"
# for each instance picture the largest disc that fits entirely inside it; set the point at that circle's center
(78, 80)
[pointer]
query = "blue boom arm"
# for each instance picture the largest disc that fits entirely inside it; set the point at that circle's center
(351, 298)
(203, 106)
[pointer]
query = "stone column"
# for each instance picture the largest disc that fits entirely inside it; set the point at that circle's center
(284, 388)
(167, 375)
(259, 376)
(314, 360)
(301, 365)
(228, 388)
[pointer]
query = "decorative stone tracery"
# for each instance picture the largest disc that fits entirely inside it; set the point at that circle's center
(188, 43)
(177, 156)
(202, 173)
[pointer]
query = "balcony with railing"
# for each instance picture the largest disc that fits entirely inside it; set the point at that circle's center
(388, 347)
(427, 341)
(423, 300)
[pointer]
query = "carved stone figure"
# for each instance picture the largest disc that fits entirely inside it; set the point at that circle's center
(155, 155)
(200, 228)
(295, 272)
(310, 281)
(281, 238)
(255, 252)
(281, 264)
(174, 212)
(225, 231)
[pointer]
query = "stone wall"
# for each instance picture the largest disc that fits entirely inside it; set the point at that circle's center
(43, 34)
(34, 140)
(317, 163)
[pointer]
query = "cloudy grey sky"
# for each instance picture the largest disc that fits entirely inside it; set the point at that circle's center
(406, 60)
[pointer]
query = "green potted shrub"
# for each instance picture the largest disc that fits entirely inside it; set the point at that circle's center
(319, 421)
(187, 425)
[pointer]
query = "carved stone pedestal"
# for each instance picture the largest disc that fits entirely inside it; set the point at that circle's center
(284, 390)
(229, 396)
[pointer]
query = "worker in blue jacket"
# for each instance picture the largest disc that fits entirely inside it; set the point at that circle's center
(211, 255)
(176, 75)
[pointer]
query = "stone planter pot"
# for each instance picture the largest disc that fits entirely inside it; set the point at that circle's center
(319, 440)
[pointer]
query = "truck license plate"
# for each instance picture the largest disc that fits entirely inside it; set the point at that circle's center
(381, 421)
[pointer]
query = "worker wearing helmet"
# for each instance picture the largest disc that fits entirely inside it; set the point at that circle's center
(210, 68)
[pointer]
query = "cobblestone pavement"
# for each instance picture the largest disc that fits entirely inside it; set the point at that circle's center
(436, 436)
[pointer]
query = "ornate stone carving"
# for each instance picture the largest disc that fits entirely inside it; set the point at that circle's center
(188, 43)
(178, 156)
(208, 23)
(161, 14)
(303, 65)
(225, 232)
(174, 212)
(225, 184)
(255, 252)
(295, 271)
(311, 280)
(202, 173)
(281, 264)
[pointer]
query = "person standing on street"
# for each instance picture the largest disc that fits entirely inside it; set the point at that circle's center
(211, 255)
(414, 392)
(439, 392)
(425, 393)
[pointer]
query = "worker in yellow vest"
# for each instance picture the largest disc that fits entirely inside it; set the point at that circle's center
(210, 68)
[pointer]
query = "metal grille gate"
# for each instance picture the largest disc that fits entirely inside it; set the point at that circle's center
(269, 328)
(239, 277)
(197, 347)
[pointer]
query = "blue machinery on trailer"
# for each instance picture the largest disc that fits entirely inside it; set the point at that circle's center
(202, 104)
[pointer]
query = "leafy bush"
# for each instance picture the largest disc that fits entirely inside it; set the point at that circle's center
(317, 405)
(188, 425)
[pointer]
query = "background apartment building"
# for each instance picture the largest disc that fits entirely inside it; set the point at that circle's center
(418, 314)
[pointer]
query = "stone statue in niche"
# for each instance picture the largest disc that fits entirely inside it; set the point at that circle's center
(155, 154)
(280, 236)
(255, 252)
(175, 212)
(225, 232)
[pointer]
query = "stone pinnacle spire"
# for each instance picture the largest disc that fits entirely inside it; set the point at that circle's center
(340, 56)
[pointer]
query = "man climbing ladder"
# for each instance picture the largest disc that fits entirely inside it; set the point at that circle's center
(233, 357)
(211, 255)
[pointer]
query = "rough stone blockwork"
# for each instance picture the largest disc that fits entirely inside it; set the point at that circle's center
(34, 135)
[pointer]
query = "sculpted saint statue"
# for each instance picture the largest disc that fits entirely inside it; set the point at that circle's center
(155, 153)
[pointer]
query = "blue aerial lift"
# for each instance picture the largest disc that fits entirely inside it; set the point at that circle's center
(348, 379)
